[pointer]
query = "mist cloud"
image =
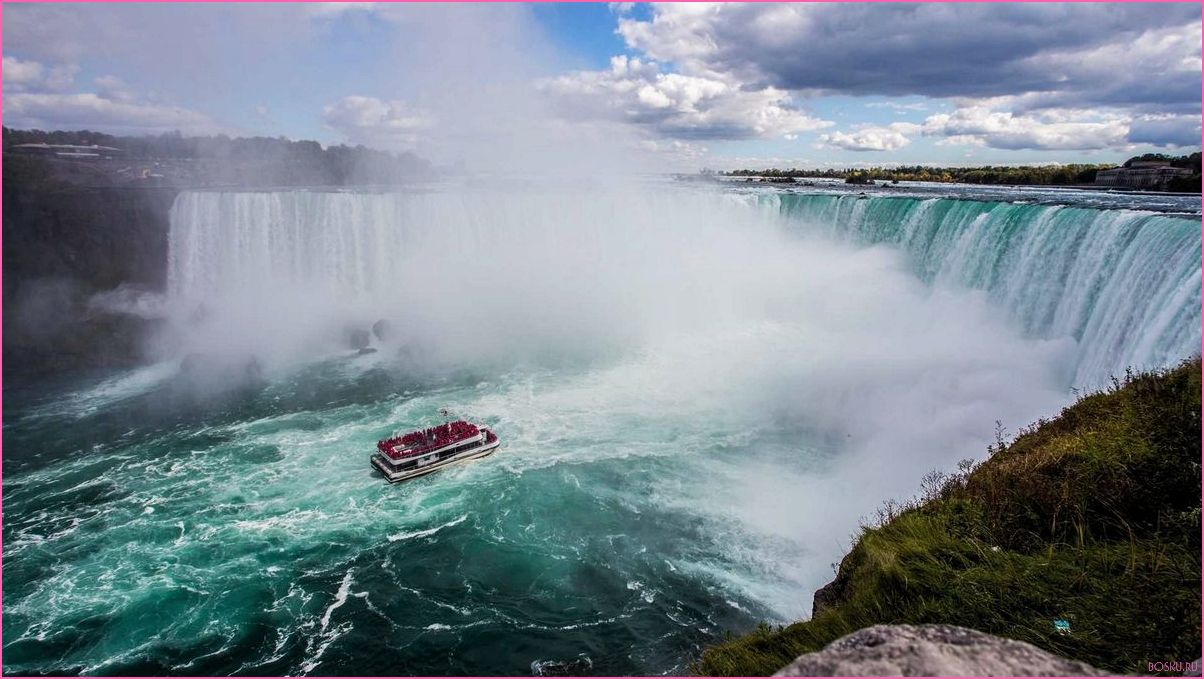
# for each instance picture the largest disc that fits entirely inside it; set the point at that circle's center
(660, 307)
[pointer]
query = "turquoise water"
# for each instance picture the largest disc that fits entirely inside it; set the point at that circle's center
(698, 395)
(255, 539)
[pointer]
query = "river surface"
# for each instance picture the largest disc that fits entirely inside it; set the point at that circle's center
(700, 391)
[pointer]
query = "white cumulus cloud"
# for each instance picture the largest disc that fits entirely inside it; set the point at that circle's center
(1021, 76)
(93, 111)
(1003, 129)
(872, 138)
(37, 98)
(678, 105)
(33, 76)
(373, 122)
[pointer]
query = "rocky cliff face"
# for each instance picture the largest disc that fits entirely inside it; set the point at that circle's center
(68, 236)
(932, 651)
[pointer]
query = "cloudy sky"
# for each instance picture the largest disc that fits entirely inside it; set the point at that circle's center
(686, 85)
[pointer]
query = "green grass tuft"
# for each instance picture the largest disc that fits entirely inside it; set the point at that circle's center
(1092, 517)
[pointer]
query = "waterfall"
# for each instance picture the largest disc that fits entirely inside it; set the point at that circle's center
(1125, 284)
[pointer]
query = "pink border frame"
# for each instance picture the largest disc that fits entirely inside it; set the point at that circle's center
(3, 2)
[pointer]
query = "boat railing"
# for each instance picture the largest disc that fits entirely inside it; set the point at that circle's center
(427, 440)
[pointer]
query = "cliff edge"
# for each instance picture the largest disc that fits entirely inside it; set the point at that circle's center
(1081, 537)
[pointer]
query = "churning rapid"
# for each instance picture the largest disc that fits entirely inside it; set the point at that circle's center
(700, 391)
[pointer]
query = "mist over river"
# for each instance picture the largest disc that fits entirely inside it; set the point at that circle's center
(700, 391)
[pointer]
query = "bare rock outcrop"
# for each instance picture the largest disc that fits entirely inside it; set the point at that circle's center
(826, 597)
(932, 650)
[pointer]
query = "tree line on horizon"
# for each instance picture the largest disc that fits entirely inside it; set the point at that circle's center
(280, 159)
(1049, 175)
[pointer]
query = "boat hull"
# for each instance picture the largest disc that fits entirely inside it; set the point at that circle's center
(397, 476)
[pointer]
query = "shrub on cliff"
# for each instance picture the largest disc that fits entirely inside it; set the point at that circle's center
(1092, 518)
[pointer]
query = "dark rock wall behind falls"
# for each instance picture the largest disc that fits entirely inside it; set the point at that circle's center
(71, 231)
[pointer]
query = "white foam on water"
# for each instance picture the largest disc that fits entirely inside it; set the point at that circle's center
(427, 532)
(340, 598)
(137, 381)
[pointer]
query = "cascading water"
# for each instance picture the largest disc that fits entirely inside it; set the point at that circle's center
(697, 401)
(1125, 284)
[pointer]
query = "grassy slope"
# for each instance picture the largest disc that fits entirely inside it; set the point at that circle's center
(1093, 517)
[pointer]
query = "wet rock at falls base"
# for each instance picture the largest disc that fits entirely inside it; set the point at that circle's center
(383, 329)
(207, 375)
(359, 339)
(932, 650)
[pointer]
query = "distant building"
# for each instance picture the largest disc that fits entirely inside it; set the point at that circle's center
(1141, 174)
(70, 151)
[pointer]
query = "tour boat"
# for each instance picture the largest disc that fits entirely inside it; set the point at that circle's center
(427, 450)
